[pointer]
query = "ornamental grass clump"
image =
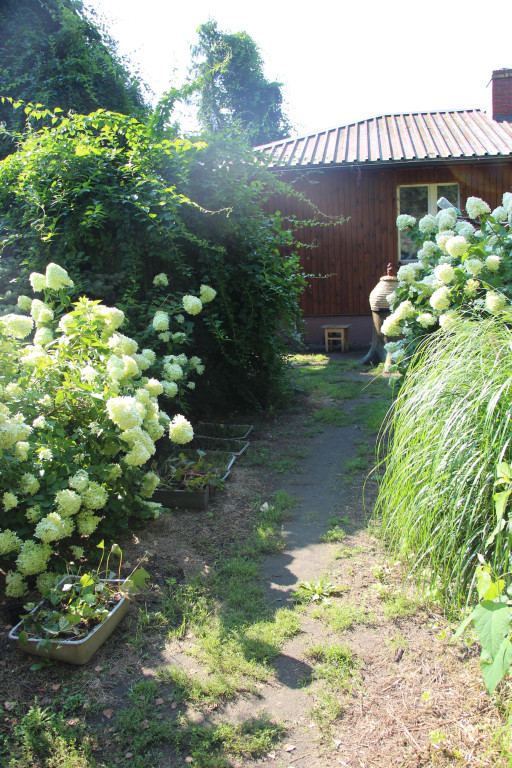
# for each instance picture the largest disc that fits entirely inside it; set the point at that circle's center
(464, 266)
(448, 431)
(79, 419)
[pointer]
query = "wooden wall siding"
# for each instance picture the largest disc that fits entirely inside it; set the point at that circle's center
(349, 260)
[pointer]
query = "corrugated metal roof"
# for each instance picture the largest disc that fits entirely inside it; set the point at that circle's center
(417, 137)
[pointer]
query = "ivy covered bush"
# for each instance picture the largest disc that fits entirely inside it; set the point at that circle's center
(116, 201)
(464, 267)
(79, 422)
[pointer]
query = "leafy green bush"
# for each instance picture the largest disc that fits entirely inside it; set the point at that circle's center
(78, 425)
(116, 201)
(448, 431)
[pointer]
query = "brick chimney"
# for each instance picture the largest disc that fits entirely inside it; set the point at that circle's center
(502, 95)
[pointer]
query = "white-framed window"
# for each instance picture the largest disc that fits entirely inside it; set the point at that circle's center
(417, 200)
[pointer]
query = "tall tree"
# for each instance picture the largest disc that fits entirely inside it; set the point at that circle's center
(52, 53)
(234, 92)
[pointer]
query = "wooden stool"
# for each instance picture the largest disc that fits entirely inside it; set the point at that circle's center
(335, 333)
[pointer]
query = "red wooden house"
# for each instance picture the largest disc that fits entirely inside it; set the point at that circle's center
(372, 171)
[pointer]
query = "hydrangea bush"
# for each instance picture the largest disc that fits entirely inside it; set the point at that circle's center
(464, 265)
(79, 419)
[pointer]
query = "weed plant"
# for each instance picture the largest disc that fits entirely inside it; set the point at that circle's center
(449, 428)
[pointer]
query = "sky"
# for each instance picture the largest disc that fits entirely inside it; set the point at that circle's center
(338, 61)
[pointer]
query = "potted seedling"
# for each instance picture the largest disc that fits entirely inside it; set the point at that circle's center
(77, 615)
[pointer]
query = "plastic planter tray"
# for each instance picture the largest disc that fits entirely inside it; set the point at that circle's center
(175, 497)
(216, 429)
(233, 445)
(75, 651)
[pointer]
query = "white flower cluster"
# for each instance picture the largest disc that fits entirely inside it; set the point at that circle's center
(443, 280)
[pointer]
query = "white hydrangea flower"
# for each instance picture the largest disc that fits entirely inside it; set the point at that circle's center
(507, 202)
(457, 246)
(443, 237)
(391, 326)
(114, 472)
(142, 362)
(448, 320)
(111, 316)
(476, 207)
(115, 368)
(16, 587)
(57, 277)
(427, 224)
(21, 450)
(161, 279)
(9, 542)
(68, 502)
(161, 321)
(38, 282)
(24, 303)
(446, 218)
(154, 387)
(492, 262)
(43, 336)
(150, 482)
(29, 484)
(125, 411)
(10, 500)
(173, 371)
(180, 430)
(165, 336)
(149, 355)
(17, 326)
(426, 319)
(207, 293)
(53, 527)
(130, 368)
(41, 312)
(180, 319)
(95, 497)
(122, 345)
(45, 454)
(445, 273)
(404, 222)
(79, 481)
(500, 214)
(405, 310)
(192, 304)
(408, 273)
(170, 388)
(137, 455)
(465, 229)
(440, 299)
(471, 287)
(495, 302)
(87, 522)
(474, 266)
(33, 558)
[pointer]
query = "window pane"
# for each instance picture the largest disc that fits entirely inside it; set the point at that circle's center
(450, 191)
(414, 201)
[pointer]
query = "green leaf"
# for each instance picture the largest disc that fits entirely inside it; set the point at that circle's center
(493, 672)
(492, 623)
(139, 577)
(86, 580)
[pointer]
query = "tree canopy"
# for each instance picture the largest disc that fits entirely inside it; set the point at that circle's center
(234, 93)
(52, 53)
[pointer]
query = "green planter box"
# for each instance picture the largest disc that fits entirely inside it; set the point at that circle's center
(75, 651)
(175, 497)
